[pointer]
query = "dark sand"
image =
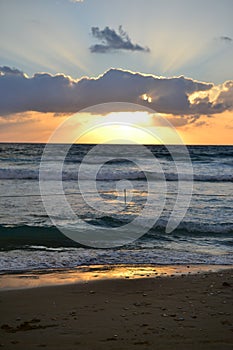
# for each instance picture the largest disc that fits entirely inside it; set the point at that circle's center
(183, 312)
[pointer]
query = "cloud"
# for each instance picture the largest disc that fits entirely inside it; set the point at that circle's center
(113, 41)
(226, 39)
(217, 100)
(59, 93)
(225, 96)
(10, 71)
(178, 120)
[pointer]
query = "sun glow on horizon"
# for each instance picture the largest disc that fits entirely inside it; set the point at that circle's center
(142, 127)
(119, 134)
(139, 127)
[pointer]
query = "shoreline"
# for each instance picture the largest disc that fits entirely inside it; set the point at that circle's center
(84, 274)
(189, 311)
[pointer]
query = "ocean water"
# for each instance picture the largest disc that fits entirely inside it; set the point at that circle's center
(29, 238)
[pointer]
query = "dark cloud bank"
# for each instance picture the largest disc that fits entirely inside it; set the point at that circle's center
(113, 41)
(44, 92)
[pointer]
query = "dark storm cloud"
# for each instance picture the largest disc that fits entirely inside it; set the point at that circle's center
(44, 92)
(113, 41)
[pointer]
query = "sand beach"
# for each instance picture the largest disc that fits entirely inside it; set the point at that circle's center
(187, 311)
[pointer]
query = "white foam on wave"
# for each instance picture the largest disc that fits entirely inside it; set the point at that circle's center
(19, 260)
(72, 175)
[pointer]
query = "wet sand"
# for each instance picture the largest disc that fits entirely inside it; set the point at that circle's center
(183, 311)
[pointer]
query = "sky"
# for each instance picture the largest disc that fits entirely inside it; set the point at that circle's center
(172, 57)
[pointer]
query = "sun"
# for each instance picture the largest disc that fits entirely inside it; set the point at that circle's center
(118, 134)
(140, 127)
(120, 128)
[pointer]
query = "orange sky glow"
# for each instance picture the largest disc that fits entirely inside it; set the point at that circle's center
(38, 127)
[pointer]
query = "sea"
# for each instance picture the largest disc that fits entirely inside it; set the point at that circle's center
(31, 237)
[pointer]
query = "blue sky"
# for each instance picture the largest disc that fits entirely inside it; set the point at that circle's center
(59, 56)
(184, 37)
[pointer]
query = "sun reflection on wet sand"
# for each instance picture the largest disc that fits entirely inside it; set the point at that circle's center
(87, 274)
